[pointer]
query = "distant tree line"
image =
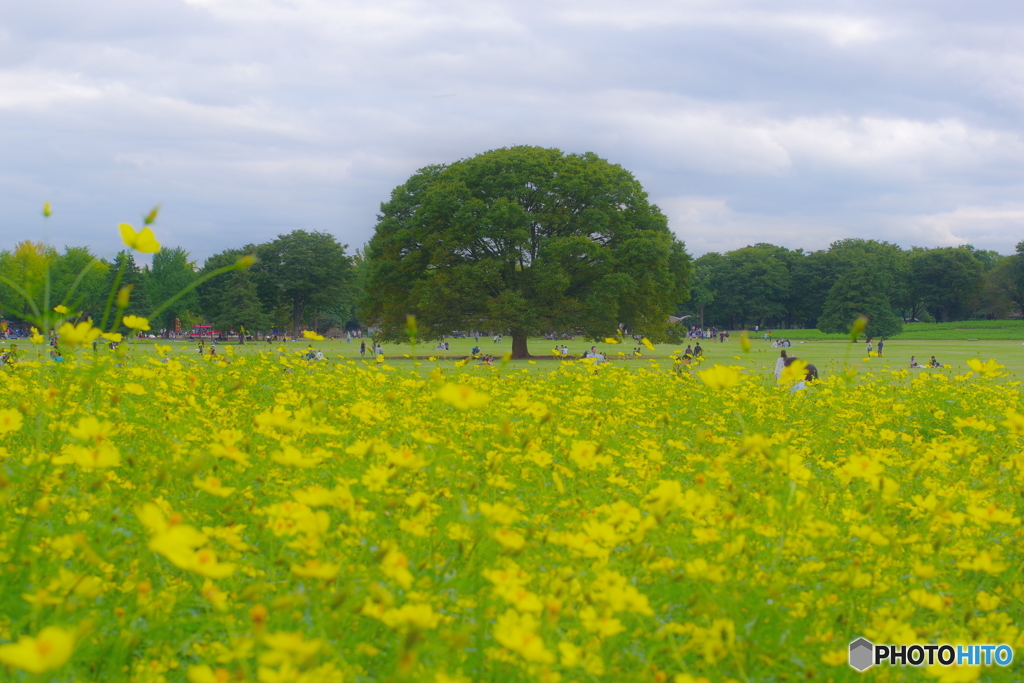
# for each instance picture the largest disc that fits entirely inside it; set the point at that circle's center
(773, 286)
(301, 280)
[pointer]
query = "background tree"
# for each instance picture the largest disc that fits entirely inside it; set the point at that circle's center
(89, 296)
(1008, 277)
(859, 291)
(751, 286)
(139, 304)
(521, 240)
(950, 280)
(307, 272)
(239, 308)
(170, 273)
(702, 293)
(211, 294)
(26, 268)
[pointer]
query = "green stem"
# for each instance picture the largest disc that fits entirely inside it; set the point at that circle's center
(112, 295)
(28, 299)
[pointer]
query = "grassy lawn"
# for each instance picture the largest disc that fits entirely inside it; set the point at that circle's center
(827, 353)
(964, 330)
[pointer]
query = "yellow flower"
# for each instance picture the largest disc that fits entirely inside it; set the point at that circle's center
(989, 369)
(112, 336)
(46, 210)
(463, 397)
(794, 372)
(647, 342)
(144, 240)
(10, 420)
(49, 650)
(315, 569)
(35, 337)
(204, 674)
(62, 309)
(612, 340)
(212, 485)
(135, 322)
(512, 540)
(518, 632)
(720, 376)
(419, 616)
(396, 566)
(310, 334)
(78, 335)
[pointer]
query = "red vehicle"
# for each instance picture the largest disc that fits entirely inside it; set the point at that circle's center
(203, 332)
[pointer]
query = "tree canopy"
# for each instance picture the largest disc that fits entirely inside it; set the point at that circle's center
(524, 240)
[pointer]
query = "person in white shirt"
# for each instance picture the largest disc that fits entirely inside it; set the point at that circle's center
(779, 365)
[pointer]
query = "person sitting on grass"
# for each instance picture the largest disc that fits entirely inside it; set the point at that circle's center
(934, 363)
(810, 374)
(914, 363)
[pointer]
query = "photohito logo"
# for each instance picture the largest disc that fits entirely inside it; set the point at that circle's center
(864, 654)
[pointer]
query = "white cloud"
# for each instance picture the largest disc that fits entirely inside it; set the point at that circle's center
(966, 225)
(792, 122)
(33, 89)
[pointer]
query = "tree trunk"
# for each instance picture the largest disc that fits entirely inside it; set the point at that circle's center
(519, 349)
(241, 337)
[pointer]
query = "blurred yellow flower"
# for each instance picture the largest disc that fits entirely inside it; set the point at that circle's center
(10, 420)
(720, 376)
(310, 334)
(135, 322)
(48, 650)
(78, 335)
(462, 396)
(144, 240)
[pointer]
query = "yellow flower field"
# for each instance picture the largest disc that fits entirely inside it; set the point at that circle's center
(263, 518)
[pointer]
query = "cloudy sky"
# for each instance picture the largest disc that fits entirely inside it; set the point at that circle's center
(792, 122)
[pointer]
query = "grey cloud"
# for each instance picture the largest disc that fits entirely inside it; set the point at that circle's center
(792, 122)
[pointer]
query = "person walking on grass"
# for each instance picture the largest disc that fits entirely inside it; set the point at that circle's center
(869, 346)
(881, 342)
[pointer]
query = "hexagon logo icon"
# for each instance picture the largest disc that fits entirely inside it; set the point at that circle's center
(861, 654)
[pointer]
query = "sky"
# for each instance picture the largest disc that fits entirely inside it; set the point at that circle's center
(791, 122)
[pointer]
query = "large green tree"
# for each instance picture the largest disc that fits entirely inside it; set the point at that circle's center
(1008, 277)
(79, 278)
(172, 271)
(950, 281)
(860, 291)
(522, 240)
(306, 272)
(133, 277)
(239, 307)
(753, 285)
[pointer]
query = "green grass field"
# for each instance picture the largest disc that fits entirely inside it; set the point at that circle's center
(963, 330)
(827, 354)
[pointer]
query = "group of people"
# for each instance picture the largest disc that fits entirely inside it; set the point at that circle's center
(698, 332)
(376, 350)
(932, 363)
(881, 345)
